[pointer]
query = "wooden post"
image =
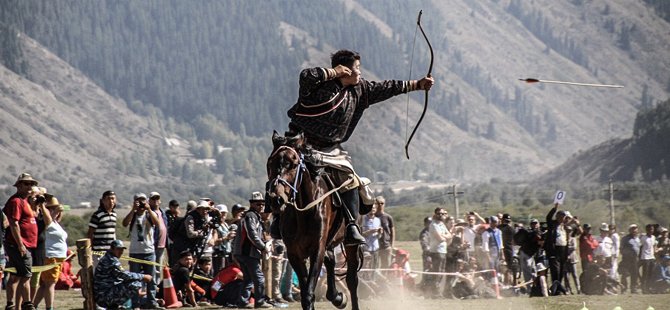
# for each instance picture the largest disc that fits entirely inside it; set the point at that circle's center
(86, 273)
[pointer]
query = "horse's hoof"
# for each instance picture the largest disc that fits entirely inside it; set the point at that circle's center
(340, 301)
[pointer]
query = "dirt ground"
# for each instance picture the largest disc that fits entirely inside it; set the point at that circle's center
(73, 300)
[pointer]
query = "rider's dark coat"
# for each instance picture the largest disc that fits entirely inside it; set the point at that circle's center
(328, 112)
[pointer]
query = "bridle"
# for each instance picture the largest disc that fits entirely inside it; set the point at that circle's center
(301, 168)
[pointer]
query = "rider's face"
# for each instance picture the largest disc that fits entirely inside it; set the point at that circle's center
(355, 76)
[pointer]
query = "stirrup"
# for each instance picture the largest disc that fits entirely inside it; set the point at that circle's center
(352, 235)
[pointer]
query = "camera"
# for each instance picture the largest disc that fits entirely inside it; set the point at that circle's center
(39, 199)
(142, 204)
(215, 219)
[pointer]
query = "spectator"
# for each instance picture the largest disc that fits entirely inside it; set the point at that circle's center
(55, 251)
(227, 285)
(223, 236)
(160, 230)
(539, 287)
(647, 258)
(372, 229)
(142, 221)
(470, 232)
(102, 226)
(172, 213)
(197, 230)
(37, 201)
(181, 278)
(492, 244)
(172, 216)
(630, 252)
(507, 231)
(20, 239)
(571, 264)
(530, 241)
(237, 212)
(387, 237)
(203, 269)
(113, 286)
(663, 247)
(605, 246)
(616, 244)
(440, 237)
(248, 248)
(277, 261)
(587, 244)
(424, 241)
(661, 275)
(556, 244)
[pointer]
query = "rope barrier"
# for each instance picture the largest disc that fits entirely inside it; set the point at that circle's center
(37, 269)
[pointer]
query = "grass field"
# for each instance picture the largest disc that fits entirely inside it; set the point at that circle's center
(404, 301)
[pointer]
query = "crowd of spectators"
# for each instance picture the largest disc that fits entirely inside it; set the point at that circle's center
(224, 259)
(541, 258)
(213, 257)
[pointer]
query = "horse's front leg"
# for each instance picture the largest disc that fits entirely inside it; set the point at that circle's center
(353, 262)
(315, 264)
(338, 299)
(300, 268)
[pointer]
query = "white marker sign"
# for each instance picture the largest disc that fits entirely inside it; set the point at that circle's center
(560, 197)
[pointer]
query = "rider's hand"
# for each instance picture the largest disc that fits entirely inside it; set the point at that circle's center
(146, 278)
(426, 83)
(342, 71)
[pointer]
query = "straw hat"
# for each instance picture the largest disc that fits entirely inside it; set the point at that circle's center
(52, 203)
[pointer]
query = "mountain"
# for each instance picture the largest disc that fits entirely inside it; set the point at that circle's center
(67, 131)
(223, 73)
(640, 158)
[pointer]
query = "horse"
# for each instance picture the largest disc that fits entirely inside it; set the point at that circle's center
(311, 225)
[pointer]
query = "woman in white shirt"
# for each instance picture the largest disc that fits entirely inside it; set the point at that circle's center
(56, 250)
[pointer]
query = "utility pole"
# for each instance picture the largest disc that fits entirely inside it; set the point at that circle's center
(455, 194)
(611, 191)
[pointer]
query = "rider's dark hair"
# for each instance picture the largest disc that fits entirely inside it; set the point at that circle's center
(344, 57)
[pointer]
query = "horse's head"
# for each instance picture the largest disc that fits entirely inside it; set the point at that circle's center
(285, 168)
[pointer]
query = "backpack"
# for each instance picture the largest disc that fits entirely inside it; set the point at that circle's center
(520, 236)
(177, 228)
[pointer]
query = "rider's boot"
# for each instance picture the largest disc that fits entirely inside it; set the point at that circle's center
(352, 233)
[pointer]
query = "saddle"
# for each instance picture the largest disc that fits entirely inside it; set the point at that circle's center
(334, 165)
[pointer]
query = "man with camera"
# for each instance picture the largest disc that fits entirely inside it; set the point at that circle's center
(142, 221)
(197, 224)
(20, 239)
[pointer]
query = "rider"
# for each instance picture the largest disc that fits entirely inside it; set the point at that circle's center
(331, 102)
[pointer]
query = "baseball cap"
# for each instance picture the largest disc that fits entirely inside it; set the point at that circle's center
(153, 195)
(256, 196)
(632, 226)
(534, 221)
(238, 207)
(117, 244)
(173, 203)
(222, 208)
(506, 217)
(493, 218)
(140, 196)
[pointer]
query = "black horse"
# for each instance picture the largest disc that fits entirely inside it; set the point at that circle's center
(311, 225)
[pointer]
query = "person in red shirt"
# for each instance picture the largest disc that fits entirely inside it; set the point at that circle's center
(226, 286)
(587, 244)
(20, 239)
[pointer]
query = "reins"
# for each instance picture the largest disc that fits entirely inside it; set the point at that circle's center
(298, 180)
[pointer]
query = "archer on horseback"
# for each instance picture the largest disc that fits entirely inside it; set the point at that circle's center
(331, 102)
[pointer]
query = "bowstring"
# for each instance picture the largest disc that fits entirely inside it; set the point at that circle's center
(409, 78)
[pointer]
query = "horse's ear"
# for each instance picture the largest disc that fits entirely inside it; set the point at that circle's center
(277, 139)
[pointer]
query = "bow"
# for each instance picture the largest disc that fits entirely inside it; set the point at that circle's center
(425, 104)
